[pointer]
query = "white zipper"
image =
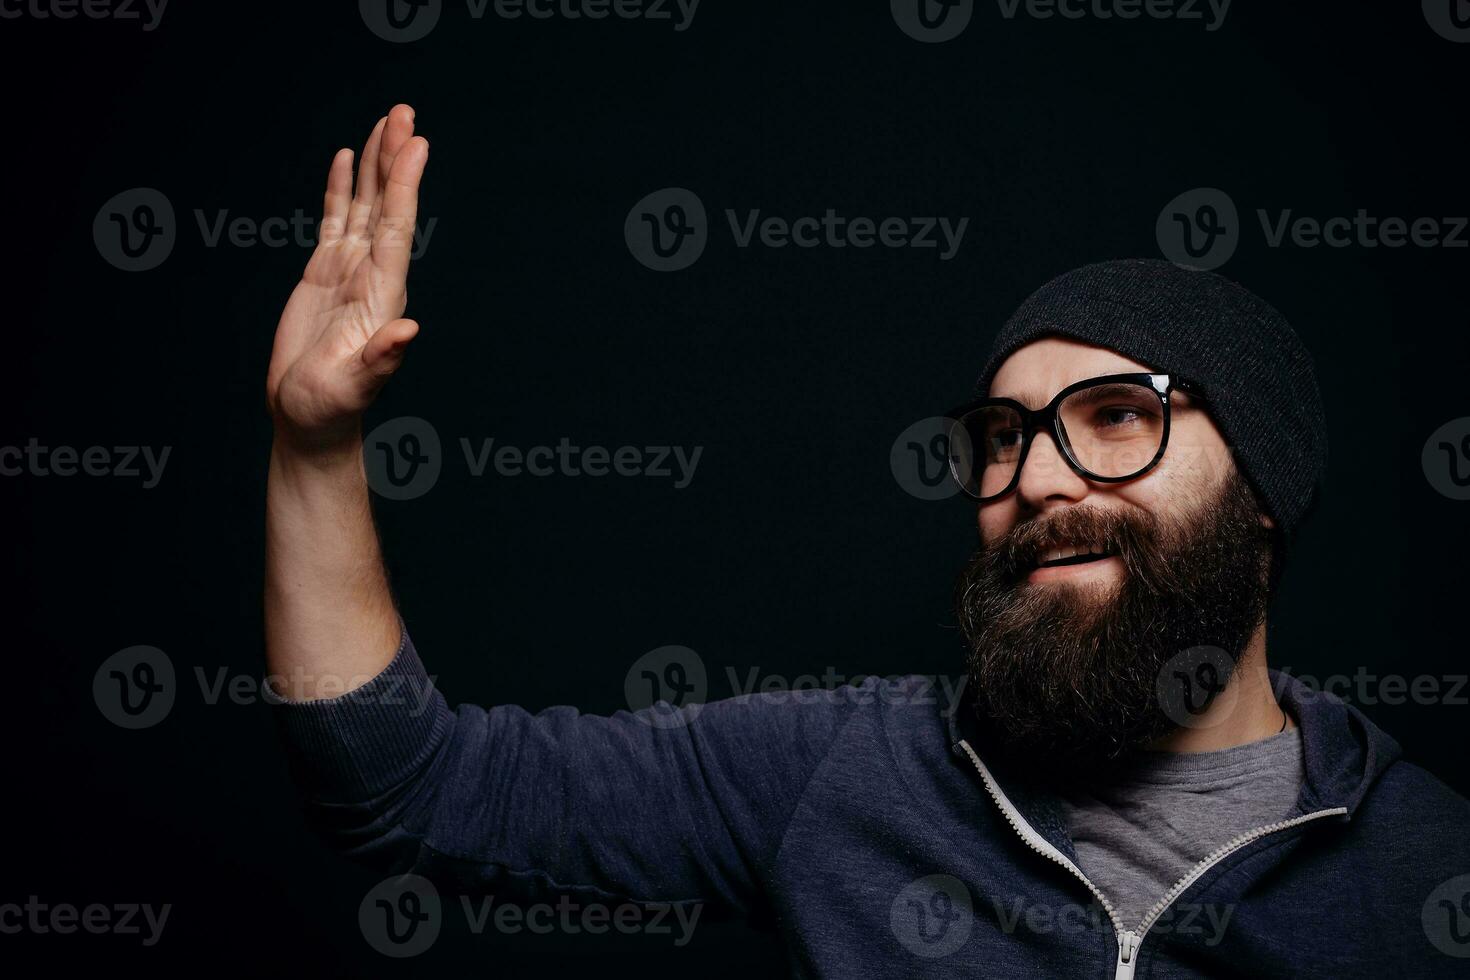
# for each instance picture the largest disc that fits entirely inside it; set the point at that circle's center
(1129, 940)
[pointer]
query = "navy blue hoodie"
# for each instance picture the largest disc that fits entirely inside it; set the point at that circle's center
(875, 829)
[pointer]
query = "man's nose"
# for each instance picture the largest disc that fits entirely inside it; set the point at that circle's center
(1046, 478)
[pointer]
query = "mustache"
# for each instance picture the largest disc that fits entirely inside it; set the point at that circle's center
(1133, 538)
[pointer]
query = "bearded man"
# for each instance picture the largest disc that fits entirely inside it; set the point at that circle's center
(1124, 789)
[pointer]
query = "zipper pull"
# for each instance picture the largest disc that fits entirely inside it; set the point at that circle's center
(1127, 956)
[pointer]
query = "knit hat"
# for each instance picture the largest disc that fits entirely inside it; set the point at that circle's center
(1256, 376)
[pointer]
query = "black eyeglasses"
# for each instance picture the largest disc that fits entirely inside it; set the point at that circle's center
(1109, 429)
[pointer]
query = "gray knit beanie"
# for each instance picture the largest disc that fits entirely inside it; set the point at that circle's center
(1255, 374)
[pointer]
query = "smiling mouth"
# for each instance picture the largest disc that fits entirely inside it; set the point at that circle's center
(1069, 555)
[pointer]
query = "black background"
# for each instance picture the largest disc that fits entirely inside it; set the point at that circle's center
(794, 549)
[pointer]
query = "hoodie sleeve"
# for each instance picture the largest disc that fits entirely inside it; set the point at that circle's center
(654, 805)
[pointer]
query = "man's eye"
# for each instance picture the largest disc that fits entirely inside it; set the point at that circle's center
(1120, 415)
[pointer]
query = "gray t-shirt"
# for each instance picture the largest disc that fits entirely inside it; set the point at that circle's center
(1155, 816)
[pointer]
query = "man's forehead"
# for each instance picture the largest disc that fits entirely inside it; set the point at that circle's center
(1036, 371)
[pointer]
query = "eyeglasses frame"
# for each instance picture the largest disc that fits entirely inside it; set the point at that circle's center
(1048, 419)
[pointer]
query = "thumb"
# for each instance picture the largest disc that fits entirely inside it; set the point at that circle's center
(384, 351)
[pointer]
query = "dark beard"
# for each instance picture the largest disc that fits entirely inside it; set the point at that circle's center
(1070, 673)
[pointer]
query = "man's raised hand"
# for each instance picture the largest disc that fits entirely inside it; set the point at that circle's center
(342, 335)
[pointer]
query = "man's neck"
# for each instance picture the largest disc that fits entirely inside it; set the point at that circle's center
(1246, 711)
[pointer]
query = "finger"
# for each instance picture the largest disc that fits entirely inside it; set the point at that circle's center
(396, 135)
(338, 197)
(393, 235)
(397, 132)
(383, 353)
(367, 182)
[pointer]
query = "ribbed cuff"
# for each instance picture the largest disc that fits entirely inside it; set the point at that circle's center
(355, 747)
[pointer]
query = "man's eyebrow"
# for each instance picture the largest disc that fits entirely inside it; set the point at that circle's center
(1031, 397)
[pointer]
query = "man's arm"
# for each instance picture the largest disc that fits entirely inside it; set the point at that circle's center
(494, 798)
(329, 618)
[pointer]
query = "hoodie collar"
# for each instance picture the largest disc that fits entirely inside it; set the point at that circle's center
(1345, 752)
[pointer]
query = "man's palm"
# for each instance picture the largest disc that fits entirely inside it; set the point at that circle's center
(340, 337)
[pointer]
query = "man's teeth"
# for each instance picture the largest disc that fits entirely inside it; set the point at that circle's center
(1071, 551)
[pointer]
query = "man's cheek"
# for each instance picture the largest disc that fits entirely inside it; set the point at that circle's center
(994, 521)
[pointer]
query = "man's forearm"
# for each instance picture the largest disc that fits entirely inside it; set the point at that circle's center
(330, 623)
